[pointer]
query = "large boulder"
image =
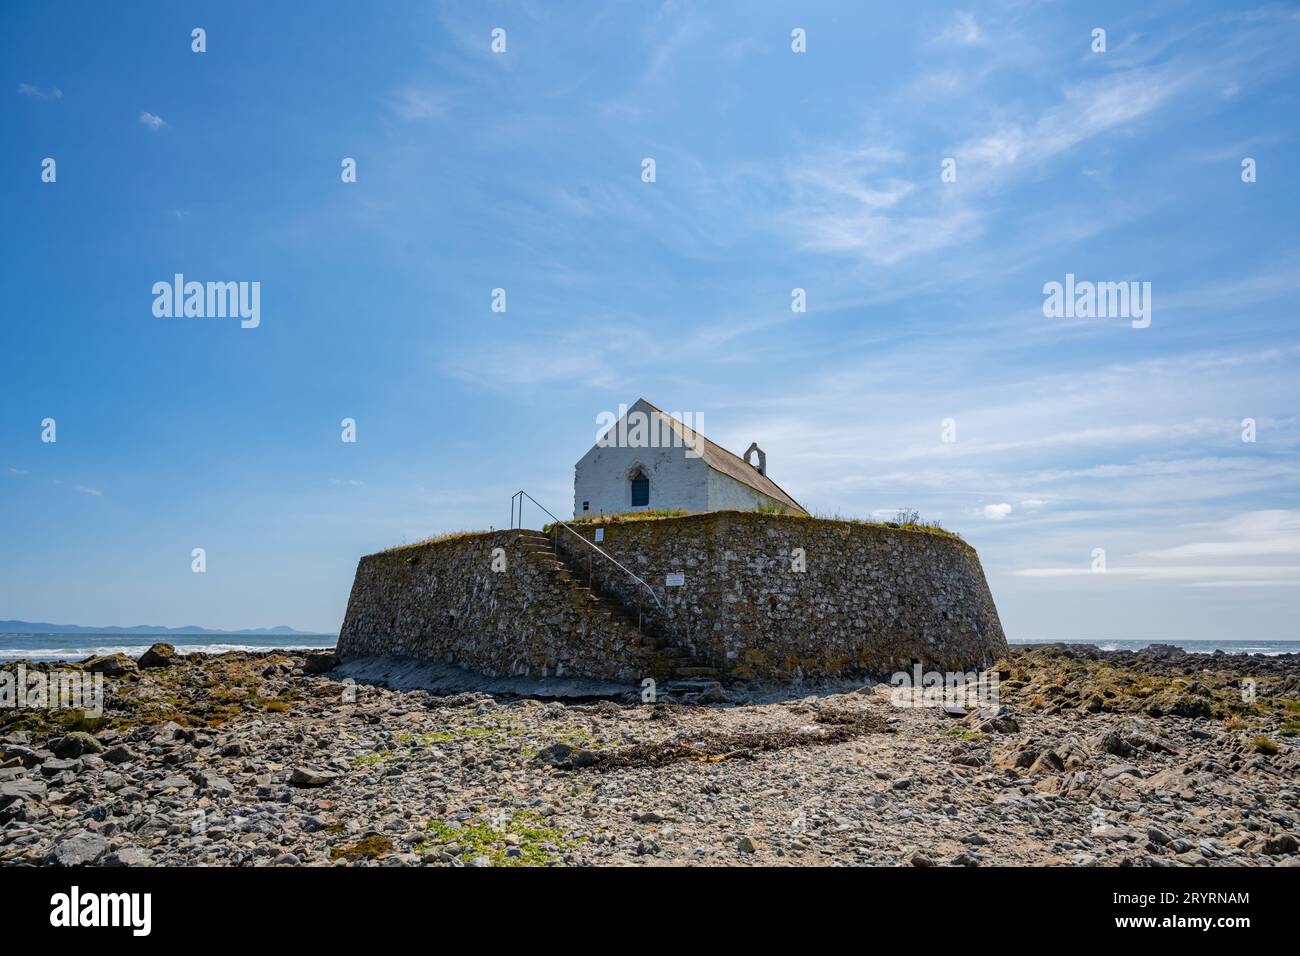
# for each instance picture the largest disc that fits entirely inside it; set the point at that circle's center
(564, 757)
(159, 655)
(76, 744)
(320, 663)
(111, 665)
(83, 848)
(1281, 845)
(212, 782)
(308, 777)
(1112, 742)
(26, 756)
(129, 856)
(118, 754)
(21, 789)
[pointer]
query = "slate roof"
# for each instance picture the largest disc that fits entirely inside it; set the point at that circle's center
(733, 466)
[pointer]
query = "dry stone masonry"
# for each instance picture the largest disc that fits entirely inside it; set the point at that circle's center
(444, 601)
(753, 596)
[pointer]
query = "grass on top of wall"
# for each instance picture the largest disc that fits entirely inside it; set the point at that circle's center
(623, 517)
(436, 539)
(903, 521)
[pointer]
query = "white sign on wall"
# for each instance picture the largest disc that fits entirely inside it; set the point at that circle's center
(600, 534)
(675, 579)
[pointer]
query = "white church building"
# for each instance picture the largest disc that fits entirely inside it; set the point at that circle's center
(648, 460)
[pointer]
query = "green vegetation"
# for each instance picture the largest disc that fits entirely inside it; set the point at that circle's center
(74, 720)
(904, 520)
(521, 840)
(1264, 745)
(425, 740)
(1042, 679)
(197, 693)
(622, 517)
(436, 539)
(275, 705)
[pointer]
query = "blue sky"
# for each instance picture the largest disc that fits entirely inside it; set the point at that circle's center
(774, 170)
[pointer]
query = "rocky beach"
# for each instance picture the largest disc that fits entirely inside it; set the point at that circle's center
(1151, 758)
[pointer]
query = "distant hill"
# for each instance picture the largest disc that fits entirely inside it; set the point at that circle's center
(30, 627)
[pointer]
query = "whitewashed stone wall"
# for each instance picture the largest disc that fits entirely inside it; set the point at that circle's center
(602, 479)
(727, 494)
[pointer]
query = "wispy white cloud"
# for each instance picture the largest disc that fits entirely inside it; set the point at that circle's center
(895, 212)
(1252, 537)
(1086, 110)
(1195, 574)
(962, 30)
(152, 120)
(854, 201)
(1254, 534)
(670, 32)
(27, 89)
(874, 202)
(418, 103)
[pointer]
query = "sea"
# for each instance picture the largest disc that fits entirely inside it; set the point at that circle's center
(1243, 646)
(75, 647)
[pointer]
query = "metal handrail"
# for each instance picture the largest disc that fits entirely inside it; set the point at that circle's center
(521, 494)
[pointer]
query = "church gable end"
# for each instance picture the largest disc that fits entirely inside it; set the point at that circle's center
(649, 460)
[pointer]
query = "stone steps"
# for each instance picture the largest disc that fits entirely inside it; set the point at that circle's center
(683, 665)
(539, 548)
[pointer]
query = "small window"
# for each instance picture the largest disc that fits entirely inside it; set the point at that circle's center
(586, 506)
(640, 490)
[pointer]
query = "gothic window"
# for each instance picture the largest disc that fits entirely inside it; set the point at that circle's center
(640, 489)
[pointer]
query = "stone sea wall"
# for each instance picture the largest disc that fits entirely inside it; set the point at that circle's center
(762, 596)
(775, 596)
(443, 601)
